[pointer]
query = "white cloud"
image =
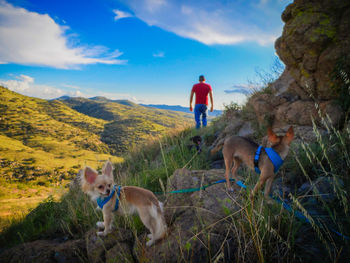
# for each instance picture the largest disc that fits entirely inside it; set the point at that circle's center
(214, 22)
(159, 54)
(154, 5)
(186, 10)
(26, 85)
(71, 86)
(121, 14)
(31, 38)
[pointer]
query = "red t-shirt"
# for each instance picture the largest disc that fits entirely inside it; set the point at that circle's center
(201, 90)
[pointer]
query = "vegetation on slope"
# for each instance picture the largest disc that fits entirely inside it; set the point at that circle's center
(42, 146)
(265, 232)
(128, 124)
(74, 214)
(44, 143)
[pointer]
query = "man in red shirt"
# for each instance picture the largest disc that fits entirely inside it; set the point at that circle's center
(201, 90)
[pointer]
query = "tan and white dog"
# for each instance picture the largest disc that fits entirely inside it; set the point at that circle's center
(237, 150)
(131, 199)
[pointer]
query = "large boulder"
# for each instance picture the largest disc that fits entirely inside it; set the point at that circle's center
(316, 34)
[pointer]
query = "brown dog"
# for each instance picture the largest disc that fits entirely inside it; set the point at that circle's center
(124, 200)
(239, 150)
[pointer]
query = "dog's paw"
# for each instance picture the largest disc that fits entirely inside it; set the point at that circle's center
(150, 243)
(101, 233)
(150, 236)
(230, 190)
(100, 224)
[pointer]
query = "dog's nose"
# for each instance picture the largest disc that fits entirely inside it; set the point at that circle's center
(108, 191)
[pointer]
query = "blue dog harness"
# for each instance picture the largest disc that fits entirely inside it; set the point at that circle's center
(101, 201)
(273, 156)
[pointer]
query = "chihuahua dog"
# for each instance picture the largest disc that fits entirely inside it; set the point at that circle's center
(239, 150)
(124, 200)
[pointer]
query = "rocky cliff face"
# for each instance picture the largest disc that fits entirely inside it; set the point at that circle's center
(315, 36)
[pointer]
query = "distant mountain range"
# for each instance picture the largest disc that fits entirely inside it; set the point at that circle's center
(157, 106)
(179, 108)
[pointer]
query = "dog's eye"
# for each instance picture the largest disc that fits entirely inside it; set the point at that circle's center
(100, 187)
(109, 185)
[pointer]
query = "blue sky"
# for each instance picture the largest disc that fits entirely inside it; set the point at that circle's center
(147, 51)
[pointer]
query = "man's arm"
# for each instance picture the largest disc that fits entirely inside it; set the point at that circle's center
(211, 100)
(191, 98)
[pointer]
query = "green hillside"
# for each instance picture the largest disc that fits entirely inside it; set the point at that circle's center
(42, 145)
(129, 124)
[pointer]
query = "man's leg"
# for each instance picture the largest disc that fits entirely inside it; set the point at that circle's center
(197, 115)
(204, 115)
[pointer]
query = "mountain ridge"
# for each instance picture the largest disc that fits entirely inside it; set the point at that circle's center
(177, 108)
(180, 108)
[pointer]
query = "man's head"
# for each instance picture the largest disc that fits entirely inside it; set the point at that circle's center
(201, 78)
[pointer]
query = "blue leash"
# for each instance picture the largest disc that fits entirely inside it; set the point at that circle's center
(297, 214)
(304, 218)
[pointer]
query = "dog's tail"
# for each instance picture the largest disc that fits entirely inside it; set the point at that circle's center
(218, 146)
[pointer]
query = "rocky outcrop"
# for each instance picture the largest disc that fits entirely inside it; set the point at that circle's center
(315, 36)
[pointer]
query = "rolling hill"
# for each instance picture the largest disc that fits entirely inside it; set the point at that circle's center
(44, 143)
(129, 124)
(42, 146)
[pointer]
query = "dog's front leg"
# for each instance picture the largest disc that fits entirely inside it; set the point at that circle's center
(268, 189)
(107, 222)
(262, 180)
(228, 163)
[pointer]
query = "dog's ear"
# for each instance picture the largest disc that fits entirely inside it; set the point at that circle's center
(272, 136)
(290, 134)
(90, 175)
(108, 169)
